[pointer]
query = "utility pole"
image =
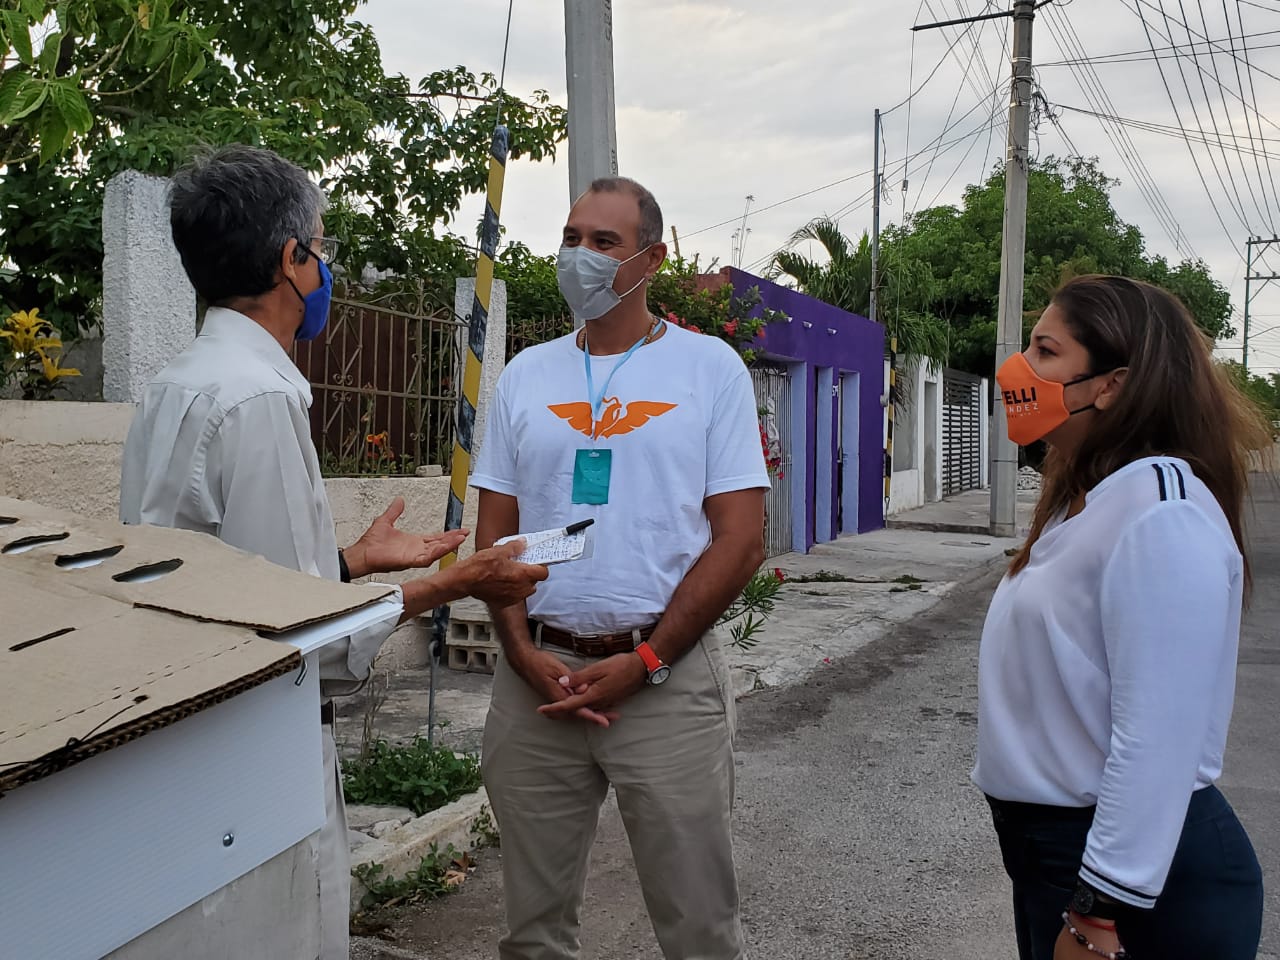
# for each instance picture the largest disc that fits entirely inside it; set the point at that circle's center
(1249, 277)
(1004, 452)
(588, 50)
(875, 224)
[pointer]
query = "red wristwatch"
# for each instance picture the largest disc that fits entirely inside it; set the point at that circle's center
(658, 671)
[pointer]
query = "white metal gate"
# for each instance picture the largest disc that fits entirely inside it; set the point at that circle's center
(961, 432)
(773, 401)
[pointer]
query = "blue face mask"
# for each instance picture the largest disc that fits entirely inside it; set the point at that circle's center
(315, 305)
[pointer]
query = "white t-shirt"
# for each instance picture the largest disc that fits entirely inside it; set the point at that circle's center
(680, 421)
(1107, 669)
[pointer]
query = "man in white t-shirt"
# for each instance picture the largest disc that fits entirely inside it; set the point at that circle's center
(612, 672)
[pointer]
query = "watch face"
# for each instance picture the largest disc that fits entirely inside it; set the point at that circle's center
(1083, 901)
(660, 675)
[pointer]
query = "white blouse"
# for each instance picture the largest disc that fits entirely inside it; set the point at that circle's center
(1107, 669)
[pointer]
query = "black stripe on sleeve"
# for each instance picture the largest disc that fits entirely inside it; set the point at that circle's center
(1164, 493)
(1182, 487)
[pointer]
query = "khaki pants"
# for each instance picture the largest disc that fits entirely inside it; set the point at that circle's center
(670, 760)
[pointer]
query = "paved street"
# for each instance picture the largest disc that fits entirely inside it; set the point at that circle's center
(859, 834)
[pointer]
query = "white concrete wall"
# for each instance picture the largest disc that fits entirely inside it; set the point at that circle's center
(67, 455)
(910, 488)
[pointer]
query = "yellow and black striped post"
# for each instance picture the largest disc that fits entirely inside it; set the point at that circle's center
(469, 398)
(888, 443)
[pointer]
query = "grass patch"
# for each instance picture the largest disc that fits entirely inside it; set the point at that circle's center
(437, 875)
(822, 576)
(418, 775)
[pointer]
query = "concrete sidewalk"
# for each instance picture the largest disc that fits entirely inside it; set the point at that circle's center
(964, 513)
(834, 600)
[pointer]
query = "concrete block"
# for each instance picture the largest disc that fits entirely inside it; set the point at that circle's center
(474, 658)
(355, 838)
(384, 827)
(363, 816)
(402, 850)
(148, 307)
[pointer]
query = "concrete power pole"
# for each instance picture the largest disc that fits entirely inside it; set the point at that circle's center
(1004, 453)
(873, 316)
(588, 49)
(1249, 277)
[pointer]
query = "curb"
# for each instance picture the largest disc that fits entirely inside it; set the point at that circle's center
(402, 850)
(972, 529)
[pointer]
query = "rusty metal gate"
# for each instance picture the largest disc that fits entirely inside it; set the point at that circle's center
(384, 388)
(961, 432)
(772, 384)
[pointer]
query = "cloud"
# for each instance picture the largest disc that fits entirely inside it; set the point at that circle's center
(718, 100)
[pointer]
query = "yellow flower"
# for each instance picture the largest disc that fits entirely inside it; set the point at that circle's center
(28, 332)
(52, 371)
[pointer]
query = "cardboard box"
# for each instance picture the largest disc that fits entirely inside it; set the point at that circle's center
(159, 726)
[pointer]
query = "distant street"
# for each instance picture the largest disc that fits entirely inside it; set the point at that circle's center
(859, 833)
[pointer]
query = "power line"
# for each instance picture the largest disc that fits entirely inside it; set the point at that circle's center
(954, 100)
(1253, 93)
(1162, 53)
(1169, 92)
(1234, 188)
(1095, 93)
(1247, 122)
(1160, 9)
(863, 199)
(1198, 136)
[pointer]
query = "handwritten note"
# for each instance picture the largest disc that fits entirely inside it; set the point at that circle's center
(552, 546)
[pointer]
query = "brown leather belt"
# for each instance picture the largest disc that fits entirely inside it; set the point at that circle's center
(603, 645)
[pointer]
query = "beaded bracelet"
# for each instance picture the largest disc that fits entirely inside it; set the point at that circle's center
(1084, 941)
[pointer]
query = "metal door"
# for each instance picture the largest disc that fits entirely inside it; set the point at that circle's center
(961, 432)
(772, 384)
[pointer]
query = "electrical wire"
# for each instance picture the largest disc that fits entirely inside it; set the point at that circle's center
(1096, 96)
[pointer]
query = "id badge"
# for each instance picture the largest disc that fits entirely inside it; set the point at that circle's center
(591, 469)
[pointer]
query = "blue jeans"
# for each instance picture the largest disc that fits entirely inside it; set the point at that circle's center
(1211, 905)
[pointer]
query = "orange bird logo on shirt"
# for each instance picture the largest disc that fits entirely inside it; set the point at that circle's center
(613, 421)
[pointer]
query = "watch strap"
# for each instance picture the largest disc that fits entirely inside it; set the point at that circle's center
(651, 660)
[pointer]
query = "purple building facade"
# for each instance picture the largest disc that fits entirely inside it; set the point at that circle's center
(834, 371)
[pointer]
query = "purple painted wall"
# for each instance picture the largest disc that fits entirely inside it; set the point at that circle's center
(820, 335)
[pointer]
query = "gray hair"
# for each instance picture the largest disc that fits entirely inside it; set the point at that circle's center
(650, 231)
(232, 210)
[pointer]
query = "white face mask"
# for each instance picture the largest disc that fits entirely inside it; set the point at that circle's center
(586, 280)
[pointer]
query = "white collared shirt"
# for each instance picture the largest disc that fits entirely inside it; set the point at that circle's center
(221, 444)
(1107, 669)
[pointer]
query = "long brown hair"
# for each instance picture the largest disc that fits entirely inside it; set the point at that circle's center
(1175, 401)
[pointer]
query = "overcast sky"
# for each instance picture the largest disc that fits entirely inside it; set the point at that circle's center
(721, 99)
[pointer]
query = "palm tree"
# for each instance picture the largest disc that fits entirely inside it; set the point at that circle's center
(844, 280)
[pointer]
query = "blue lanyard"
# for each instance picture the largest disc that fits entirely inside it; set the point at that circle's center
(598, 398)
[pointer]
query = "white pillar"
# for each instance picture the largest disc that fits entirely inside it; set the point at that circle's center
(148, 307)
(495, 348)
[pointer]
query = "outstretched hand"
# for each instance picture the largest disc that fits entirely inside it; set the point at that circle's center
(385, 549)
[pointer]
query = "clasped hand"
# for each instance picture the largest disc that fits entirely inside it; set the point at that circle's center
(591, 694)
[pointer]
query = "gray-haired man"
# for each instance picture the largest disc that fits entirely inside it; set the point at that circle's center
(222, 443)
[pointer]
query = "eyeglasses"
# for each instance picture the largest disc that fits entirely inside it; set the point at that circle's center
(328, 247)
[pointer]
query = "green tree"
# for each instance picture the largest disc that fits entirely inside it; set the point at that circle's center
(843, 279)
(1264, 391)
(1072, 228)
(89, 88)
